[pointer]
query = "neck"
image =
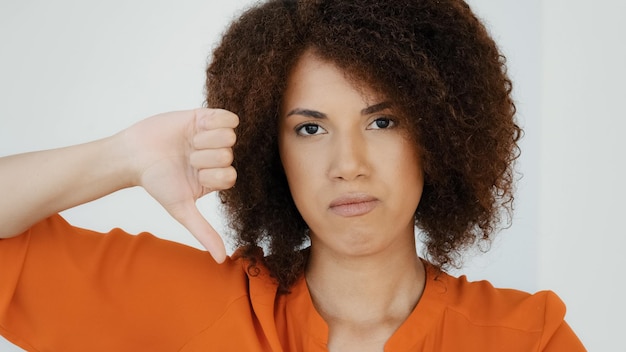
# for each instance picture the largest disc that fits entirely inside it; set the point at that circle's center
(366, 290)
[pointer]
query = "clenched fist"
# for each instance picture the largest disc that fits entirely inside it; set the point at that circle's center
(181, 156)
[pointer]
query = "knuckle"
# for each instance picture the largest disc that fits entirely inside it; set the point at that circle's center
(227, 177)
(226, 157)
(235, 120)
(229, 118)
(231, 177)
(216, 179)
(230, 137)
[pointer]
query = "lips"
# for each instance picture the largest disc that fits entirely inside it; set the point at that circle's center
(353, 205)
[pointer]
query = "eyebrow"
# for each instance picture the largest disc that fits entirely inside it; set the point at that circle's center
(307, 113)
(320, 115)
(376, 108)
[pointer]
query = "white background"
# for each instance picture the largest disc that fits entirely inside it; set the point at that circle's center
(73, 71)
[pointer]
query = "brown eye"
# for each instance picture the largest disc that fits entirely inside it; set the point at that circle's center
(382, 123)
(309, 129)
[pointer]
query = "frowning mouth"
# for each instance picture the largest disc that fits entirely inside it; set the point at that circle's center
(353, 205)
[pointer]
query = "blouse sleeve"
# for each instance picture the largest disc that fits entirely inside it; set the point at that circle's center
(558, 335)
(68, 289)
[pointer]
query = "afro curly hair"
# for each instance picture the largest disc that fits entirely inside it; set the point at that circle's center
(437, 63)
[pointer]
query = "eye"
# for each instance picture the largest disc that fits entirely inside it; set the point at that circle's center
(382, 123)
(309, 129)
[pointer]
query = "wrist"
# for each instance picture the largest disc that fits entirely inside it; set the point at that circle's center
(120, 159)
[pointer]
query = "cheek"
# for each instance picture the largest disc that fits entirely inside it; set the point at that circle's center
(409, 169)
(300, 186)
(414, 168)
(403, 157)
(305, 176)
(296, 170)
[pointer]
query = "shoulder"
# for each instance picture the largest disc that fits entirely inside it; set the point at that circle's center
(116, 255)
(481, 303)
(480, 313)
(134, 285)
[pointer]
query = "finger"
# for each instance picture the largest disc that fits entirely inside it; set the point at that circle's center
(217, 179)
(192, 220)
(211, 158)
(217, 138)
(208, 119)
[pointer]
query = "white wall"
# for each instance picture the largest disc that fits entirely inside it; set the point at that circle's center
(583, 165)
(72, 72)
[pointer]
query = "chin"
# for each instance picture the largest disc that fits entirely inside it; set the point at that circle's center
(362, 246)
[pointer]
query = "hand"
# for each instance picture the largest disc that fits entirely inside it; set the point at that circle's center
(181, 156)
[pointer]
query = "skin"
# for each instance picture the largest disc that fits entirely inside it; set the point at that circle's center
(356, 178)
(177, 157)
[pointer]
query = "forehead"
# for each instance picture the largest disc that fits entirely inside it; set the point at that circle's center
(313, 78)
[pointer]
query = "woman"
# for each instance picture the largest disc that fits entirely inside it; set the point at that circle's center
(345, 124)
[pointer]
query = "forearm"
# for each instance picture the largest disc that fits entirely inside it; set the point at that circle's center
(176, 157)
(36, 185)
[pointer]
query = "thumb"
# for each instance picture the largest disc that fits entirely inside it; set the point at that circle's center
(190, 217)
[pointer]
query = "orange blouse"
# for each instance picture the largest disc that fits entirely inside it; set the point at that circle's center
(68, 289)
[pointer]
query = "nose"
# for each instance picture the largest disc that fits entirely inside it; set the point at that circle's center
(349, 159)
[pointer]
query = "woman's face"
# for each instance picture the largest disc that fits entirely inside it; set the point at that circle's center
(353, 171)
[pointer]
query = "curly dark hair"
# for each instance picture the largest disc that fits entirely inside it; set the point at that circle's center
(437, 63)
